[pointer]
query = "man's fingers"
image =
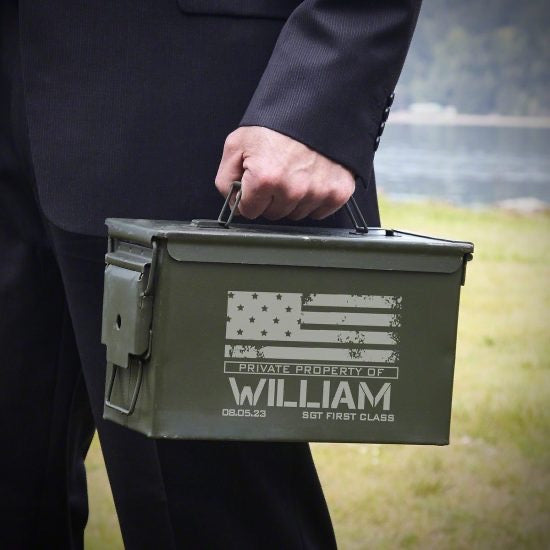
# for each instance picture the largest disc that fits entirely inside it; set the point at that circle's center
(278, 208)
(281, 177)
(336, 198)
(311, 202)
(256, 196)
(323, 212)
(228, 172)
(231, 166)
(266, 196)
(326, 210)
(286, 199)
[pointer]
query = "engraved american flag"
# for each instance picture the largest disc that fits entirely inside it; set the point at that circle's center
(291, 326)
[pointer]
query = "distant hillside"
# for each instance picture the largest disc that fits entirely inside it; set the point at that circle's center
(481, 56)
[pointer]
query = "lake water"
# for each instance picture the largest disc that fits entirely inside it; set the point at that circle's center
(464, 164)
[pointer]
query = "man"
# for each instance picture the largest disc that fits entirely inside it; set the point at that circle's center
(122, 109)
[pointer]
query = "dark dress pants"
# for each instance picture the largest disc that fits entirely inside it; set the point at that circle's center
(168, 494)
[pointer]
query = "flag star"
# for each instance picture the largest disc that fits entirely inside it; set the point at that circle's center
(275, 320)
(264, 332)
(228, 319)
(240, 331)
(251, 319)
(279, 296)
(288, 333)
(230, 294)
(240, 307)
(254, 296)
(288, 308)
(299, 321)
(264, 308)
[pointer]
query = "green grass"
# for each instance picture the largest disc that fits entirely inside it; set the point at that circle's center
(490, 488)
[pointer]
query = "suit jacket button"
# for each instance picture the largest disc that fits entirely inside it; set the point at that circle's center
(386, 114)
(376, 142)
(391, 97)
(381, 129)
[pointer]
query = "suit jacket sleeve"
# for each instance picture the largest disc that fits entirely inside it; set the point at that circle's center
(331, 75)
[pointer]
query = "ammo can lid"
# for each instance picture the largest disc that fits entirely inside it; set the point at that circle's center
(381, 249)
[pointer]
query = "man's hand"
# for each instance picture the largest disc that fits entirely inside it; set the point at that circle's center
(281, 177)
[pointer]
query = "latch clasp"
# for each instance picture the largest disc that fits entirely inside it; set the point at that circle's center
(128, 304)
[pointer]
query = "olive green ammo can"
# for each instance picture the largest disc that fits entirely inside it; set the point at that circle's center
(252, 332)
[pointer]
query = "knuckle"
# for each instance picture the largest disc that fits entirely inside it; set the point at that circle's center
(277, 175)
(231, 142)
(266, 179)
(315, 195)
(247, 211)
(295, 193)
(339, 195)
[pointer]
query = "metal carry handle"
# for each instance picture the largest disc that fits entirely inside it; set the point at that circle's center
(353, 203)
(352, 208)
(234, 185)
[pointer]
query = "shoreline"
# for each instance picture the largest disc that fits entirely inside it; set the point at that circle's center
(523, 205)
(461, 119)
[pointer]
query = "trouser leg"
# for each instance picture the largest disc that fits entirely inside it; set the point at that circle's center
(44, 415)
(245, 495)
(131, 459)
(181, 494)
(45, 420)
(216, 495)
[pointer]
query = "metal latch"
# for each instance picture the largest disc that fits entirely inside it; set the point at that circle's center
(127, 306)
(128, 312)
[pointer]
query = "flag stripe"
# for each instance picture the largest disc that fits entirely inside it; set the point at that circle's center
(322, 309)
(328, 336)
(343, 319)
(347, 300)
(351, 328)
(325, 354)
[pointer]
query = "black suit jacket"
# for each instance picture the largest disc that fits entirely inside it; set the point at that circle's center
(129, 102)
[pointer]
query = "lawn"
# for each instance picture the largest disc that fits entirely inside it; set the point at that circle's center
(490, 488)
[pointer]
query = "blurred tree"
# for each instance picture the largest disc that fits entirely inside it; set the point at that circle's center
(481, 57)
